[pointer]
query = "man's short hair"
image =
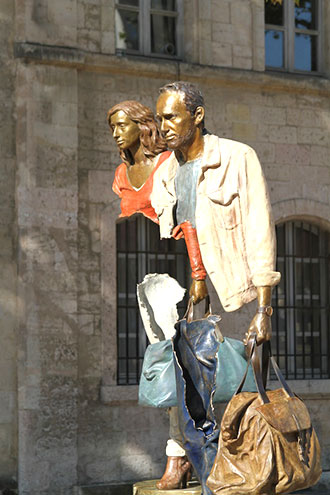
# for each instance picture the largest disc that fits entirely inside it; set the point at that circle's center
(192, 96)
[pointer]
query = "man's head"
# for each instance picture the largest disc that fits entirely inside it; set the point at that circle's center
(180, 111)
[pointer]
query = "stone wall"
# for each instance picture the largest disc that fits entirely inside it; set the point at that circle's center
(47, 211)
(8, 378)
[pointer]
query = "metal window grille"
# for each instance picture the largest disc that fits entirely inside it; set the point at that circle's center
(293, 35)
(149, 27)
(301, 321)
(140, 251)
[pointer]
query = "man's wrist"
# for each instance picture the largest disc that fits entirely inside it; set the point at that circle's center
(266, 309)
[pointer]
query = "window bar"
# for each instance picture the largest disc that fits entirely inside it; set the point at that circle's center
(311, 303)
(319, 310)
(285, 303)
(126, 309)
(277, 323)
(328, 302)
(294, 257)
(137, 262)
(304, 311)
(117, 314)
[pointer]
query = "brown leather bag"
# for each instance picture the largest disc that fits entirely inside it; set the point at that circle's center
(267, 443)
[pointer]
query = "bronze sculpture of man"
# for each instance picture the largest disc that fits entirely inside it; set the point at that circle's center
(217, 186)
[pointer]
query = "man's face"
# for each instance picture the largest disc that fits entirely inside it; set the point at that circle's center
(176, 122)
(125, 132)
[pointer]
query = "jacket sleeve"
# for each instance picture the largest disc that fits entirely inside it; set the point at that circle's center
(162, 202)
(198, 271)
(258, 225)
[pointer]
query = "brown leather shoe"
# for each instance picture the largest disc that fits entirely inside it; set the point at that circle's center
(177, 473)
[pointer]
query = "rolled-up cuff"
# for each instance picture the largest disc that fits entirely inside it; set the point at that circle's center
(266, 278)
(174, 449)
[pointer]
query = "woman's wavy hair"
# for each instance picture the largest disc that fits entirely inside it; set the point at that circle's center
(150, 138)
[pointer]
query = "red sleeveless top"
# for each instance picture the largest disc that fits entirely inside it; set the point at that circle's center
(136, 200)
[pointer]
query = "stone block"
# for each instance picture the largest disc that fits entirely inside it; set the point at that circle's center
(242, 63)
(312, 135)
(221, 11)
(100, 186)
(205, 9)
(90, 347)
(304, 117)
(268, 115)
(222, 33)
(64, 114)
(236, 112)
(205, 52)
(40, 207)
(320, 155)
(92, 14)
(108, 42)
(222, 54)
(131, 465)
(103, 470)
(281, 134)
(265, 152)
(205, 27)
(86, 323)
(241, 51)
(293, 154)
(58, 166)
(246, 132)
(240, 12)
(89, 39)
(7, 406)
(56, 135)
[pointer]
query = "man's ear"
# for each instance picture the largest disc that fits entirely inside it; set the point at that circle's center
(199, 115)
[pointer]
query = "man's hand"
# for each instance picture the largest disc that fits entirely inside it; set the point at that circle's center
(198, 291)
(261, 325)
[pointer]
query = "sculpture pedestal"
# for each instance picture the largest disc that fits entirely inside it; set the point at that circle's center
(149, 488)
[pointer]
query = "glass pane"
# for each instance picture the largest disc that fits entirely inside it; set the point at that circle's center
(305, 52)
(274, 43)
(134, 3)
(163, 4)
(127, 30)
(274, 13)
(305, 14)
(163, 34)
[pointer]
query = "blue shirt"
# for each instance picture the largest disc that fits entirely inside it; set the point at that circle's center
(185, 188)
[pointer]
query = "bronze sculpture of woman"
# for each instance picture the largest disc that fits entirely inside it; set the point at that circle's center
(143, 150)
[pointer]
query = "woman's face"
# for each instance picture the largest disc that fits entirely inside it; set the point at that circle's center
(125, 132)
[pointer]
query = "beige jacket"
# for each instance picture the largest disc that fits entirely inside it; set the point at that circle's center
(233, 219)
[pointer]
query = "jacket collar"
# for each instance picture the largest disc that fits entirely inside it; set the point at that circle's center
(213, 157)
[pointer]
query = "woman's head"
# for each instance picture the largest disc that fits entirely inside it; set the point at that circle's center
(131, 121)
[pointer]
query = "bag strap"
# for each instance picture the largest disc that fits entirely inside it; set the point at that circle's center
(260, 373)
(189, 314)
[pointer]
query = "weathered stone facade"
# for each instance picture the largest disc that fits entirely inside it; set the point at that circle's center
(63, 420)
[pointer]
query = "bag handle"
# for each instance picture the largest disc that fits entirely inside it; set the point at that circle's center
(189, 314)
(259, 374)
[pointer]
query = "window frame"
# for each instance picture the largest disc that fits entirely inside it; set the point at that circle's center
(286, 303)
(145, 12)
(146, 256)
(289, 31)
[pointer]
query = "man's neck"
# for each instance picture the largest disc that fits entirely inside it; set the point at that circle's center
(193, 150)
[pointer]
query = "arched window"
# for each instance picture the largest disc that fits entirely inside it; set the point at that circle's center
(301, 321)
(140, 251)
